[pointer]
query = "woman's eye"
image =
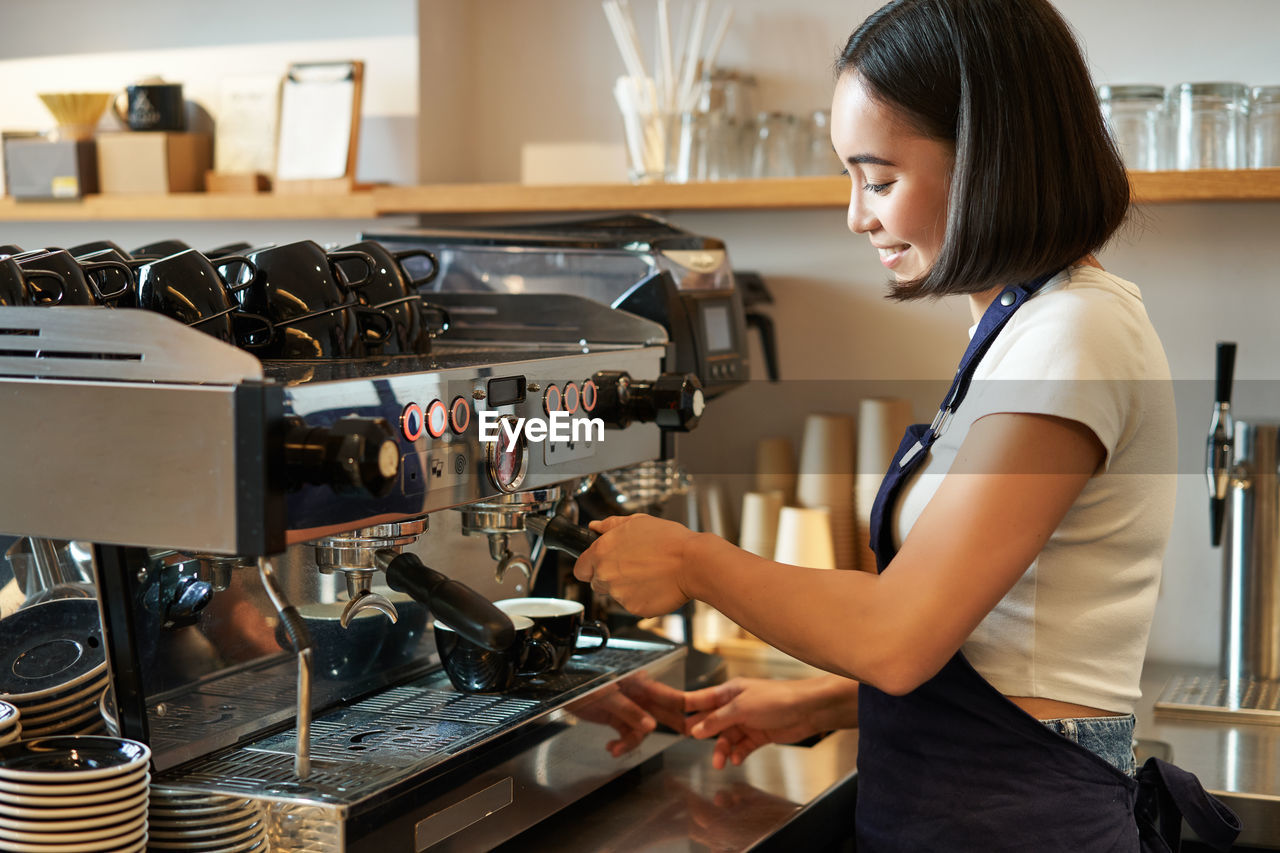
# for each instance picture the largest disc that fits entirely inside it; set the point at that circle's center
(878, 189)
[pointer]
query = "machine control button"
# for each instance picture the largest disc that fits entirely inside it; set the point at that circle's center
(459, 415)
(437, 419)
(551, 399)
(589, 396)
(412, 422)
(571, 397)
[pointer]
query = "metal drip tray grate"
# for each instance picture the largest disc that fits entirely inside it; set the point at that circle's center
(1219, 699)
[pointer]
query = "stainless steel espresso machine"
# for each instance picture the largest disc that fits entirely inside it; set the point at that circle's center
(273, 540)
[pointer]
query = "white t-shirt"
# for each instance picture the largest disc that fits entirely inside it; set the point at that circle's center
(1074, 627)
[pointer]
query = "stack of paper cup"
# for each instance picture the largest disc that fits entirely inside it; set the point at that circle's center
(804, 538)
(715, 513)
(826, 478)
(881, 424)
(760, 512)
(776, 467)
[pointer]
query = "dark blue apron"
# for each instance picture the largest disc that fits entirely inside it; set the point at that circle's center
(956, 766)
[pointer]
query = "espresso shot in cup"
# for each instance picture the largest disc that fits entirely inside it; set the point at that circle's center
(559, 622)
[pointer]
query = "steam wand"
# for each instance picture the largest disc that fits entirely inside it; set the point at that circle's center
(301, 640)
(1217, 456)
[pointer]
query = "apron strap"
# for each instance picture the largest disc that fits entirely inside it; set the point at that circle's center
(1166, 795)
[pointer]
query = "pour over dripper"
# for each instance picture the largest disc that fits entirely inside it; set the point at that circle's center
(77, 113)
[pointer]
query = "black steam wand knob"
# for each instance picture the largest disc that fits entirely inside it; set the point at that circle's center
(354, 455)
(1217, 455)
(674, 401)
(457, 605)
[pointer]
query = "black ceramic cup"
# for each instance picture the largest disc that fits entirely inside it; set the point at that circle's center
(313, 307)
(83, 283)
(28, 287)
(95, 246)
(559, 622)
(474, 669)
(390, 289)
(188, 287)
(159, 249)
(154, 107)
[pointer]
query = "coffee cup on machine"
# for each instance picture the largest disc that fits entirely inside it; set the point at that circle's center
(152, 105)
(473, 668)
(559, 622)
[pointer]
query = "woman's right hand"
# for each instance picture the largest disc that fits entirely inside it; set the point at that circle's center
(744, 714)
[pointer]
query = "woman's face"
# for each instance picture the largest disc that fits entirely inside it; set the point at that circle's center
(900, 179)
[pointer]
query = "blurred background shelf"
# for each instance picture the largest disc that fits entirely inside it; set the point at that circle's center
(763, 194)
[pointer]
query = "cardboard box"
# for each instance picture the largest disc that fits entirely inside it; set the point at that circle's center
(36, 167)
(142, 162)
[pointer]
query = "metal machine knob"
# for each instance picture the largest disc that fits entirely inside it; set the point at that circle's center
(674, 401)
(355, 455)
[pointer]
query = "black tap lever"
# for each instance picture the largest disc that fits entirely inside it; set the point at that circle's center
(1217, 457)
(561, 534)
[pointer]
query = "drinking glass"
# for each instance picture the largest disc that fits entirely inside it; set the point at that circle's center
(1136, 118)
(1210, 125)
(774, 152)
(1264, 127)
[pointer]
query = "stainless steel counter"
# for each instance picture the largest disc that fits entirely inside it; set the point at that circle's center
(1239, 763)
(800, 796)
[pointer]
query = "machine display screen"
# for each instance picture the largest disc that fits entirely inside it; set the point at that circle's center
(505, 391)
(718, 327)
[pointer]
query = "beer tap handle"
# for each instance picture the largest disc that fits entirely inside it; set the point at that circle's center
(455, 604)
(561, 534)
(1221, 436)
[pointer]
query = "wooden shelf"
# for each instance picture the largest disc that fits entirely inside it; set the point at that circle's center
(770, 194)
(191, 206)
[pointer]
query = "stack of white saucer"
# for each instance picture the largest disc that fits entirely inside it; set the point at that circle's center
(74, 795)
(10, 723)
(68, 709)
(209, 823)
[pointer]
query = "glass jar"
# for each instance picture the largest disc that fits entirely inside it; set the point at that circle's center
(775, 147)
(1264, 127)
(813, 146)
(1210, 125)
(1136, 118)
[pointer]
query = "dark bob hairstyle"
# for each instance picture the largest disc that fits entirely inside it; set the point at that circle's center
(1038, 182)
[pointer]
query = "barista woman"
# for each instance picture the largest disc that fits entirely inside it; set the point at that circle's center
(992, 665)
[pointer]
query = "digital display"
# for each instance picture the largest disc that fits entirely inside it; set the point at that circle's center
(505, 391)
(718, 327)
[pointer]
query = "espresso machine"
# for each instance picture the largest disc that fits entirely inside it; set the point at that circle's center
(272, 541)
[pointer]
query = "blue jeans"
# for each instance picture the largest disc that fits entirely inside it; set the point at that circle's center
(1111, 738)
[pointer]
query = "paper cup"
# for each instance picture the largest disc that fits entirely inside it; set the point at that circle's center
(804, 538)
(826, 462)
(776, 467)
(882, 421)
(760, 512)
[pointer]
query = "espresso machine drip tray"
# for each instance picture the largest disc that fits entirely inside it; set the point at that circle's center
(1224, 700)
(421, 756)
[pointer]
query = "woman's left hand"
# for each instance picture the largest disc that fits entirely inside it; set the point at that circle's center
(639, 560)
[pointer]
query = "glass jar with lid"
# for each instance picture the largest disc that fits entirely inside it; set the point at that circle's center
(1210, 125)
(1264, 127)
(1135, 114)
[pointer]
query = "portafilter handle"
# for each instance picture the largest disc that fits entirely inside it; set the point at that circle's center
(561, 534)
(457, 605)
(1217, 456)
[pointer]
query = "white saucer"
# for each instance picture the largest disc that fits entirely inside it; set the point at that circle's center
(75, 812)
(218, 845)
(183, 814)
(43, 801)
(134, 841)
(64, 758)
(78, 696)
(72, 824)
(55, 789)
(198, 830)
(49, 693)
(57, 833)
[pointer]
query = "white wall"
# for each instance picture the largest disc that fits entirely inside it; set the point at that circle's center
(496, 74)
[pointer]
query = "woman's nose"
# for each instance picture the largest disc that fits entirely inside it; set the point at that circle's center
(860, 218)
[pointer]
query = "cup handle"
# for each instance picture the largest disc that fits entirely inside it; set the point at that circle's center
(417, 253)
(593, 627)
(126, 274)
(375, 326)
(252, 331)
(35, 292)
(371, 266)
(543, 657)
(221, 264)
(445, 320)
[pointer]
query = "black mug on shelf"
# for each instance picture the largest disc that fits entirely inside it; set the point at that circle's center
(190, 288)
(153, 106)
(472, 668)
(83, 282)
